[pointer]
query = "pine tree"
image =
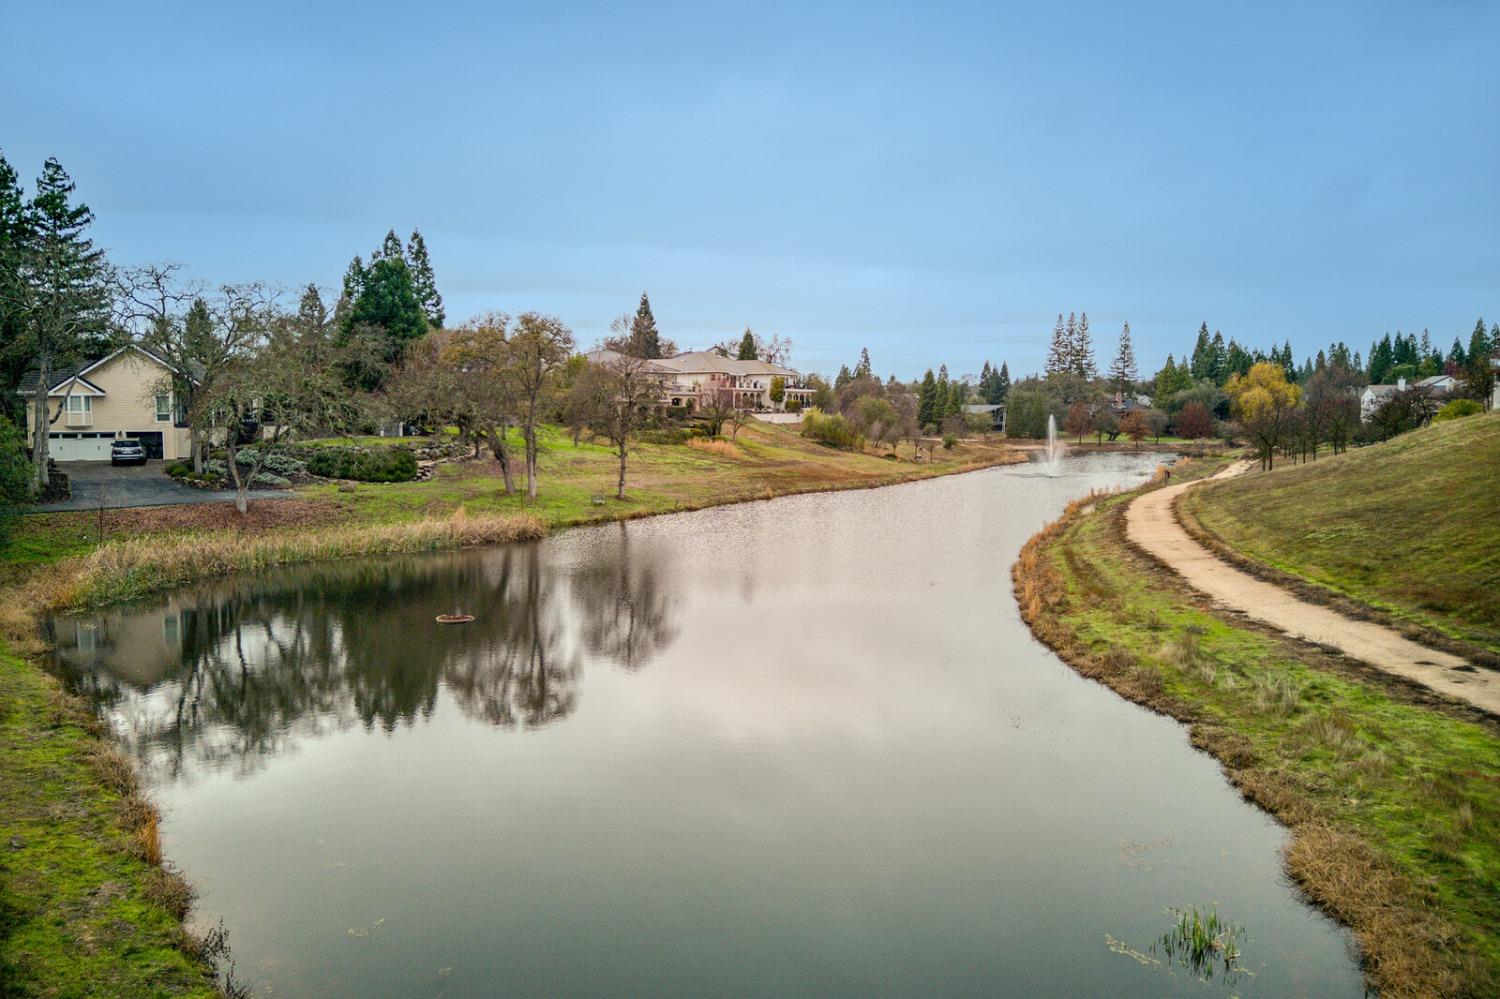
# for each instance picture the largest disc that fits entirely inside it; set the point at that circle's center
(1070, 344)
(387, 307)
(423, 280)
(1219, 355)
(842, 378)
(958, 396)
(1382, 359)
(1059, 354)
(1002, 385)
(1083, 350)
(1457, 355)
(1201, 364)
(63, 289)
(354, 279)
(391, 249)
(747, 346)
(927, 397)
(1479, 341)
(862, 369)
(14, 355)
(1122, 370)
(645, 340)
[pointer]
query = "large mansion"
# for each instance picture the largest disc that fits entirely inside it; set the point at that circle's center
(687, 379)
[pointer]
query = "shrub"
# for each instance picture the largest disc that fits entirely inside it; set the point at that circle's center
(178, 469)
(665, 435)
(277, 462)
(830, 429)
(1457, 409)
(394, 464)
(948, 441)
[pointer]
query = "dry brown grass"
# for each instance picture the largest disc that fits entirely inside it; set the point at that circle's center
(126, 568)
(723, 448)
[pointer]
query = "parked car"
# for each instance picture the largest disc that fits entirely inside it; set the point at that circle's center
(127, 451)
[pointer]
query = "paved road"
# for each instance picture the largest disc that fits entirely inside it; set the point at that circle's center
(1152, 524)
(135, 485)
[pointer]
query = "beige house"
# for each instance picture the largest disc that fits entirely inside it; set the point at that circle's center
(126, 394)
(688, 378)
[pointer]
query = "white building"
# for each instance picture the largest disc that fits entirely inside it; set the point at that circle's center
(687, 379)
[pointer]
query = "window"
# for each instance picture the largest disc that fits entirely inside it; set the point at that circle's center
(163, 407)
(80, 404)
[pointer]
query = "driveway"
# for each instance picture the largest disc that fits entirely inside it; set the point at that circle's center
(136, 485)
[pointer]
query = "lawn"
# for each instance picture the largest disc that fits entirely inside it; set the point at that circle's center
(1410, 527)
(1393, 801)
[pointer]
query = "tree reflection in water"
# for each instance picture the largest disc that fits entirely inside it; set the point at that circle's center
(229, 674)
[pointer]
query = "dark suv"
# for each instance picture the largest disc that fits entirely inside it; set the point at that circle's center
(127, 451)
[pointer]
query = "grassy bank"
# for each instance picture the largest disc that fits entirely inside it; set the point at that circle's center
(1392, 798)
(1410, 528)
(85, 908)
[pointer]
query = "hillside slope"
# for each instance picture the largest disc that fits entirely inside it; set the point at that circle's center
(1410, 527)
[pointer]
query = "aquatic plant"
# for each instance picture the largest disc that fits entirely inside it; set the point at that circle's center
(1202, 943)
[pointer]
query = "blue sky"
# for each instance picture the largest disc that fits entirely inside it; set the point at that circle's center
(934, 181)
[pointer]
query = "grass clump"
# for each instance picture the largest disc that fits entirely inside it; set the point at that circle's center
(1391, 796)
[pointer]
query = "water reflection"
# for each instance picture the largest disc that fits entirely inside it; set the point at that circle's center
(228, 674)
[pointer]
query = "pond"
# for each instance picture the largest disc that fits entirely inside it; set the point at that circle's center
(804, 746)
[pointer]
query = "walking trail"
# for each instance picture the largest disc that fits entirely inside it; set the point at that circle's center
(1152, 524)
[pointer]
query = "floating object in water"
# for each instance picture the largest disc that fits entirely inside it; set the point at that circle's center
(454, 618)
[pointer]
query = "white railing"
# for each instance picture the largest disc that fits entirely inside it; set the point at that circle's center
(80, 419)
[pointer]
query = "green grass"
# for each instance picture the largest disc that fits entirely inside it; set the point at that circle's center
(1410, 527)
(78, 913)
(1310, 739)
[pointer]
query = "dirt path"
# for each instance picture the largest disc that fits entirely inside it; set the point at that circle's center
(1151, 524)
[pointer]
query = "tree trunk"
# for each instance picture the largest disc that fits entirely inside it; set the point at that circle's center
(620, 493)
(195, 448)
(501, 451)
(39, 432)
(530, 462)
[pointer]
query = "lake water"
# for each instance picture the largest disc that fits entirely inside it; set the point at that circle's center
(804, 746)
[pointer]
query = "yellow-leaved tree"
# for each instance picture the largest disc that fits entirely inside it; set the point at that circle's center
(1265, 404)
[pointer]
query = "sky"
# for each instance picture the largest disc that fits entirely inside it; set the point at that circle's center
(935, 182)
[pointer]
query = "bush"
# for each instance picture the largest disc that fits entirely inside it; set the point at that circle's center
(830, 429)
(948, 441)
(665, 435)
(395, 464)
(1458, 409)
(177, 469)
(277, 462)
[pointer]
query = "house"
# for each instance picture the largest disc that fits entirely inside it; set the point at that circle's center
(1122, 404)
(124, 394)
(996, 413)
(1437, 384)
(688, 378)
(1374, 395)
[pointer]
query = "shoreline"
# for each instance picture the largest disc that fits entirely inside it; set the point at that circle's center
(1335, 855)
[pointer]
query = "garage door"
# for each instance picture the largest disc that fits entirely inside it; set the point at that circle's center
(151, 441)
(77, 447)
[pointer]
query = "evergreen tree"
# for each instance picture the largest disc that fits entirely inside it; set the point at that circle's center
(388, 311)
(927, 401)
(1201, 364)
(842, 378)
(958, 397)
(1382, 359)
(645, 340)
(1288, 362)
(1122, 370)
(391, 249)
(354, 279)
(1219, 357)
(14, 355)
(1237, 360)
(1479, 341)
(1083, 350)
(1002, 384)
(747, 346)
(424, 281)
(862, 369)
(1059, 353)
(1457, 355)
(62, 290)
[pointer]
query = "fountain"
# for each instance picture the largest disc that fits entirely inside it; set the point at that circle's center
(1055, 448)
